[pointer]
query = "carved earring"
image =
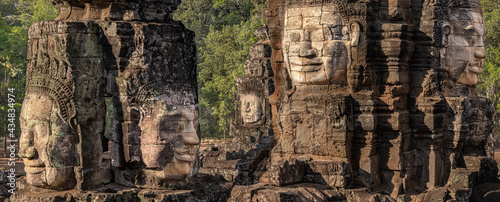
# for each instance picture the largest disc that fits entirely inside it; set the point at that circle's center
(355, 34)
(446, 32)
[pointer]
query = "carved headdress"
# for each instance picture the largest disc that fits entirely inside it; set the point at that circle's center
(58, 90)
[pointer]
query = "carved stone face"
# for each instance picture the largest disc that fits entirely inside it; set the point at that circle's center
(169, 141)
(251, 109)
(465, 52)
(315, 45)
(47, 145)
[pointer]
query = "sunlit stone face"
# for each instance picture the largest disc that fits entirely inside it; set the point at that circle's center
(169, 140)
(315, 44)
(465, 54)
(251, 108)
(48, 145)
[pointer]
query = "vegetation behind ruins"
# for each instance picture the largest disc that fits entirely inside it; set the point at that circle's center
(16, 16)
(490, 78)
(224, 32)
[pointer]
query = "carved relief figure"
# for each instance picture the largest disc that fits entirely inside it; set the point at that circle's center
(315, 44)
(251, 108)
(463, 39)
(47, 144)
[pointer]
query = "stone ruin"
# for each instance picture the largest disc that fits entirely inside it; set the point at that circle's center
(135, 54)
(363, 100)
(252, 126)
(244, 156)
(376, 100)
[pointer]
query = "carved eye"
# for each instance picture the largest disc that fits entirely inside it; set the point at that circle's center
(181, 126)
(470, 28)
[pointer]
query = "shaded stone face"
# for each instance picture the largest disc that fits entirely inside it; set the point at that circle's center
(315, 44)
(465, 54)
(47, 144)
(251, 109)
(169, 141)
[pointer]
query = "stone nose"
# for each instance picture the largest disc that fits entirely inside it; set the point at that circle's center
(189, 136)
(307, 52)
(26, 146)
(247, 107)
(480, 52)
(479, 41)
(305, 46)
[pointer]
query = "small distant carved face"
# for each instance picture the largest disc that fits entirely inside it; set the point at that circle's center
(251, 108)
(169, 140)
(465, 53)
(314, 45)
(47, 145)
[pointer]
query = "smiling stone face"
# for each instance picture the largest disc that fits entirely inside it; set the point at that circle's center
(251, 108)
(169, 140)
(465, 54)
(315, 45)
(47, 144)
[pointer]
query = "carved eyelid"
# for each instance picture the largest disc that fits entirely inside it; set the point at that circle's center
(470, 28)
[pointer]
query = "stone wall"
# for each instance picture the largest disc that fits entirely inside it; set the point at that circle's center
(366, 99)
(385, 90)
(133, 52)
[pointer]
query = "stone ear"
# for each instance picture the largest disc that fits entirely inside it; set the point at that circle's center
(355, 29)
(446, 32)
(445, 37)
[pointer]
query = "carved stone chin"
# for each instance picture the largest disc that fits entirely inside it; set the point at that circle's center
(251, 108)
(315, 45)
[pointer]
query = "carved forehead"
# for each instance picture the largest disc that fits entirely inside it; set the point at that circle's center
(463, 21)
(317, 8)
(472, 4)
(246, 97)
(163, 106)
(37, 108)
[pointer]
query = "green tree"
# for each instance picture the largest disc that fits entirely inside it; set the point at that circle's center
(201, 16)
(223, 55)
(16, 16)
(490, 78)
(224, 33)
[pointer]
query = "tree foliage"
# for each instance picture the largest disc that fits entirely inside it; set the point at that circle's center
(224, 33)
(16, 16)
(490, 78)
